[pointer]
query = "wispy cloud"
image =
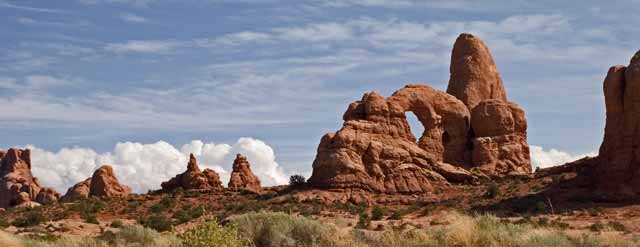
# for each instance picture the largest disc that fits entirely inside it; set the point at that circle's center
(145, 46)
(31, 9)
(129, 17)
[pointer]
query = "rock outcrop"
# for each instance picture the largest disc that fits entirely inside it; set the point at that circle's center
(500, 143)
(17, 183)
(77, 191)
(619, 158)
(474, 76)
(470, 132)
(242, 178)
(194, 179)
(105, 184)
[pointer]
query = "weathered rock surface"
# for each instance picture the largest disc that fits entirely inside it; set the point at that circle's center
(77, 191)
(105, 184)
(619, 158)
(500, 143)
(474, 76)
(375, 149)
(17, 183)
(193, 178)
(242, 177)
(471, 128)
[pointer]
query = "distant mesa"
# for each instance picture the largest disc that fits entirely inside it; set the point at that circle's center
(18, 186)
(194, 179)
(242, 178)
(471, 132)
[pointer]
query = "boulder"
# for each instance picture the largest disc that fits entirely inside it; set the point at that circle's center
(193, 178)
(474, 76)
(17, 183)
(242, 178)
(619, 158)
(105, 184)
(77, 191)
(500, 139)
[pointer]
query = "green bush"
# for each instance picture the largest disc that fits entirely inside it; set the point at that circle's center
(210, 234)
(363, 221)
(492, 191)
(296, 181)
(377, 213)
(188, 213)
(164, 204)
(156, 222)
(117, 224)
(32, 217)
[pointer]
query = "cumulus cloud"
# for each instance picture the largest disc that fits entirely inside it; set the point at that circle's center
(552, 157)
(145, 166)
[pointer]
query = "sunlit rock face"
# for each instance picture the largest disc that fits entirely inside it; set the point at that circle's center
(470, 131)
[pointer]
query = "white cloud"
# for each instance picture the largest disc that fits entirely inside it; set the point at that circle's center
(146, 166)
(553, 157)
(129, 17)
(144, 46)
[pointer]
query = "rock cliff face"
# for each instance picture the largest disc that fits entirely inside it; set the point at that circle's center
(469, 132)
(619, 159)
(193, 178)
(17, 183)
(242, 177)
(105, 184)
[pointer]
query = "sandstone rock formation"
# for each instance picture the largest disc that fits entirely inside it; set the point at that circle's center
(242, 177)
(77, 191)
(193, 178)
(470, 132)
(500, 143)
(619, 159)
(474, 76)
(105, 184)
(17, 183)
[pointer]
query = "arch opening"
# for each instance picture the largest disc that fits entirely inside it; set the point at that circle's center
(416, 127)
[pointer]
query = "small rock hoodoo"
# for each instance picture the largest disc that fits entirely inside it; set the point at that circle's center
(242, 177)
(193, 178)
(470, 131)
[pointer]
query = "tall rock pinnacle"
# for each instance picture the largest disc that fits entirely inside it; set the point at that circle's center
(474, 76)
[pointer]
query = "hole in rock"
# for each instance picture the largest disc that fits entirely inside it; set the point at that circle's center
(445, 137)
(415, 125)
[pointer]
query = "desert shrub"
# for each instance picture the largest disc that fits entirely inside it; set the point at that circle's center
(396, 215)
(164, 204)
(32, 217)
(136, 235)
(296, 181)
(492, 190)
(210, 234)
(156, 222)
(88, 209)
(117, 224)
(279, 229)
(363, 221)
(377, 213)
(188, 213)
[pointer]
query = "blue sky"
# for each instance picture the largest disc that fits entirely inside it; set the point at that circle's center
(93, 73)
